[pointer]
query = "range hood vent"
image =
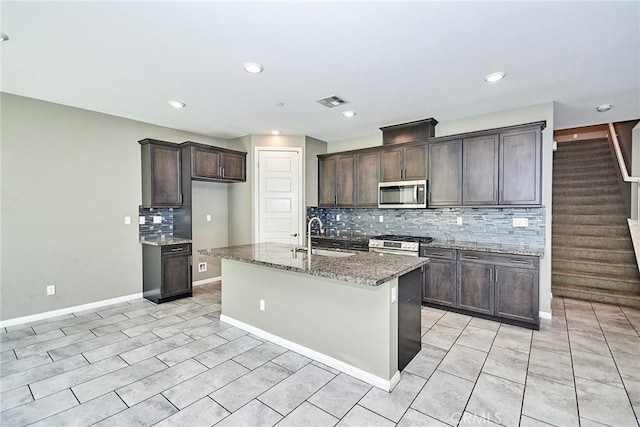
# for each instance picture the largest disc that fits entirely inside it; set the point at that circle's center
(332, 101)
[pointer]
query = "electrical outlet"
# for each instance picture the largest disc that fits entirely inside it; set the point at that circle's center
(202, 267)
(459, 220)
(127, 220)
(262, 308)
(51, 290)
(520, 222)
(157, 219)
(142, 220)
(381, 218)
(338, 217)
(208, 218)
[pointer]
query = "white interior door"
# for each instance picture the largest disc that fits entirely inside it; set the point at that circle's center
(279, 195)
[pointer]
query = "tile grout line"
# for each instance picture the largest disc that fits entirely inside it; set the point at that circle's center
(624, 387)
(573, 371)
(526, 376)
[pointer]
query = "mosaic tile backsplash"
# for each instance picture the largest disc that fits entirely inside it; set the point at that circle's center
(480, 225)
(151, 230)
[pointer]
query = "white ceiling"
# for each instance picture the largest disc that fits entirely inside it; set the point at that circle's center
(394, 61)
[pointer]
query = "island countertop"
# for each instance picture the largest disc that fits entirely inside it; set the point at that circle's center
(365, 268)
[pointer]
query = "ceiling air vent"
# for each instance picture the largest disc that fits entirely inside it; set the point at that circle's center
(332, 101)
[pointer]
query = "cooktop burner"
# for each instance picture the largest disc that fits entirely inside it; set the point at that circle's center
(399, 238)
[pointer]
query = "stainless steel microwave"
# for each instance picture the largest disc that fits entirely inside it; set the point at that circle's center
(402, 194)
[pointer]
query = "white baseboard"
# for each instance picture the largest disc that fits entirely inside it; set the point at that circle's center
(544, 315)
(54, 313)
(207, 281)
(374, 380)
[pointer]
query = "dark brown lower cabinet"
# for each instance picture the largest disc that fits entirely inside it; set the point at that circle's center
(409, 319)
(440, 277)
(475, 287)
(500, 286)
(166, 272)
(517, 293)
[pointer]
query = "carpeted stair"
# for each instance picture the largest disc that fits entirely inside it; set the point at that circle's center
(592, 253)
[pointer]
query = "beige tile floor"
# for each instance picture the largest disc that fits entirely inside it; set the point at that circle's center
(176, 364)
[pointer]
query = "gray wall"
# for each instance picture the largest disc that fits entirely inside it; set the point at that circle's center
(69, 177)
(355, 324)
(313, 147)
(488, 121)
(209, 198)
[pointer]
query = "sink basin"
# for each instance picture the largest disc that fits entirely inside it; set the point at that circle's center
(335, 254)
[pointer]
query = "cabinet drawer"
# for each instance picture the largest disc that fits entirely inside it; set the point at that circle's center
(358, 246)
(438, 253)
(176, 249)
(521, 261)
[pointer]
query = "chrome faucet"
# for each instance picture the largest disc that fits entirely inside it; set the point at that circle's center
(315, 218)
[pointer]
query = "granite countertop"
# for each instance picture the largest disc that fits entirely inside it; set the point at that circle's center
(156, 241)
(365, 268)
(498, 248)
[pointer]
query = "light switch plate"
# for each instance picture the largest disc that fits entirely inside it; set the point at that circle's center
(157, 219)
(51, 290)
(208, 218)
(520, 222)
(141, 220)
(262, 305)
(381, 218)
(459, 220)
(338, 217)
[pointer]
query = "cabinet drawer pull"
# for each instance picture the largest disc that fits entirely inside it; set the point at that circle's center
(471, 257)
(435, 254)
(177, 249)
(517, 261)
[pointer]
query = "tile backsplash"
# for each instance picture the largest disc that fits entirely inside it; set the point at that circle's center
(149, 229)
(481, 225)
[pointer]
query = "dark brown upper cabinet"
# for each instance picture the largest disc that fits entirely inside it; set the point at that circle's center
(336, 180)
(521, 167)
(161, 180)
(403, 163)
(210, 163)
(367, 178)
(419, 130)
(480, 171)
(445, 173)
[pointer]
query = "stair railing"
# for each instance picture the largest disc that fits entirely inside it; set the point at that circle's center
(623, 167)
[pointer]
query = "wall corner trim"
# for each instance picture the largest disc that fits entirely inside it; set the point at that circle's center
(374, 380)
(54, 313)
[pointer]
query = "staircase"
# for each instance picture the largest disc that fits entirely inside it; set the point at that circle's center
(592, 253)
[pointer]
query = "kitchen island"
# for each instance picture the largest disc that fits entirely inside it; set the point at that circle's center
(357, 312)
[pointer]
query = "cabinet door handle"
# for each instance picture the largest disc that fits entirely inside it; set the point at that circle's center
(190, 259)
(223, 171)
(180, 198)
(335, 199)
(518, 261)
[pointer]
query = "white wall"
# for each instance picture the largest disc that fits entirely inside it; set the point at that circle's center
(496, 119)
(69, 177)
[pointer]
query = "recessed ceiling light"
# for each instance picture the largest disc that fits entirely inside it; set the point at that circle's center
(3, 37)
(348, 114)
(177, 104)
(275, 132)
(494, 77)
(252, 67)
(604, 107)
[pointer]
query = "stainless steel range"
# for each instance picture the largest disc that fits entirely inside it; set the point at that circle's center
(398, 245)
